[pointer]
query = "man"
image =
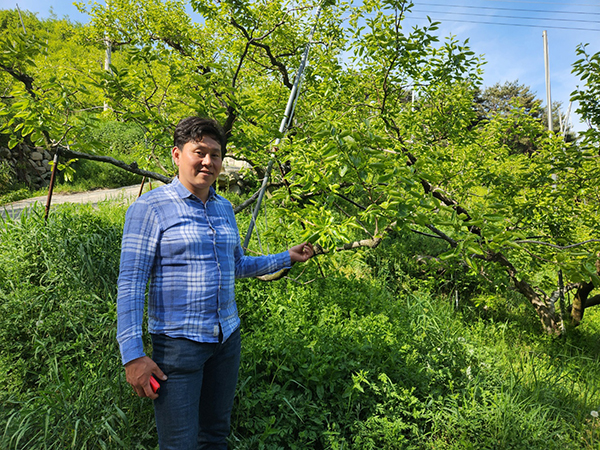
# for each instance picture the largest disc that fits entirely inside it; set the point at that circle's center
(184, 239)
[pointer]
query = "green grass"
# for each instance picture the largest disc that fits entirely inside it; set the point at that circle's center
(89, 175)
(366, 351)
(119, 140)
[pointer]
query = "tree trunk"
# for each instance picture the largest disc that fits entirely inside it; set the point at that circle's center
(544, 309)
(592, 301)
(546, 313)
(580, 302)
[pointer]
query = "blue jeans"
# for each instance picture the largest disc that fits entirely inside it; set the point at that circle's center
(193, 410)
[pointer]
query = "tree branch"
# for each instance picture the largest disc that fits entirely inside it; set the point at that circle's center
(425, 234)
(559, 247)
(593, 301)
(133, 167)
(370, 243)
(247, 203)
(443, 236)
(27, 80)
(277, 64)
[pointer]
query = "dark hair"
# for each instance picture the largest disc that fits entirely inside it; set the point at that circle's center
(192, 129)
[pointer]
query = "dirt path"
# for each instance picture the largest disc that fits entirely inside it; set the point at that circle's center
(98, 195)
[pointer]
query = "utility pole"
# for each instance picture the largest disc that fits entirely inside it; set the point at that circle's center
(107, 55)
(107, 58)
(547, 65)
(561, 298)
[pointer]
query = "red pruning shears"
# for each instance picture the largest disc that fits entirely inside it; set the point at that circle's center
(154, 384)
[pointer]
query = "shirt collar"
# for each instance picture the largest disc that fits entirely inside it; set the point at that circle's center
(183, 192)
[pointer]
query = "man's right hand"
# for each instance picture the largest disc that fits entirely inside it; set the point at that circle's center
(138, 372)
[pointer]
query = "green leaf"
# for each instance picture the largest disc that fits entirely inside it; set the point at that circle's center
(13, 142)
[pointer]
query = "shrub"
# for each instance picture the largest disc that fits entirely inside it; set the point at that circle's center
(336, 362)
(63, 385)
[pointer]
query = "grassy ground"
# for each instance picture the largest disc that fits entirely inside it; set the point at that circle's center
(358, 351)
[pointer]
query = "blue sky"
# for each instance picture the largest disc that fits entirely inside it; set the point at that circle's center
(507, 33)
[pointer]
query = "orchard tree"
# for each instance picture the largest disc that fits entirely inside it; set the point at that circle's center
(40, 79)
(504, 99)
(48, 95)
(587, 68)
(587, 95)
(383, 136)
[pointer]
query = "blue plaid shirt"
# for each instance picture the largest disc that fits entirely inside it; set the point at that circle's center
(191, 253)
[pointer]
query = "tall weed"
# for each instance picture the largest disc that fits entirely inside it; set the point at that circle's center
(361, 357)
(60, 366)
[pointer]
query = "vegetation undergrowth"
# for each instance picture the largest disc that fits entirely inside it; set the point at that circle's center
(118, 140)
(359, 351)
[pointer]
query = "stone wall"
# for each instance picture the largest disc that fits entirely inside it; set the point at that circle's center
(31, 166)
(231, 177)
(28, 165)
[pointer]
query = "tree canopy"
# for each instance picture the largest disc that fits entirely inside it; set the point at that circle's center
(385, 136)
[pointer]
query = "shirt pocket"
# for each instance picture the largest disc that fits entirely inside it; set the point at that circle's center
(172, 246)
(227, 236)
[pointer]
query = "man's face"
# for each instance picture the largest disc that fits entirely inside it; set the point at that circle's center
(199, 165)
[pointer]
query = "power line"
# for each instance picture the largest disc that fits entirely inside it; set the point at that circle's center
(544, 3)
(512, 24)
(509, 9)
(508, 17)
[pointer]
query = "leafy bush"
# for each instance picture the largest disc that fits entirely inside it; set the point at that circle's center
(63, 383)
(6, 177)
(92, 175)
(409, 262)
(336, 362)
(120, 138)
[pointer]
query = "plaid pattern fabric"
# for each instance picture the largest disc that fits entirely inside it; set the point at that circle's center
(191, 253)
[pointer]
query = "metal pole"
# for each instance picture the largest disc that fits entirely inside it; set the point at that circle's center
(547, 66)
(21, 17)
(567, 118)
(107, 61)
(561, 299)
(283, 127)
(289, 109)
(51, 187)
(261, 194)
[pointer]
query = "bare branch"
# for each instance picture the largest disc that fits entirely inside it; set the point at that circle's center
(246, 203)
(351, 201)
(57, 144)
(593, 301)
(559, 247)
(443, 235)
(133, 167)
(425, 234)
(277, 64)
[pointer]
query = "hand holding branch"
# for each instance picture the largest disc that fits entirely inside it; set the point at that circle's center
(301, 252)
